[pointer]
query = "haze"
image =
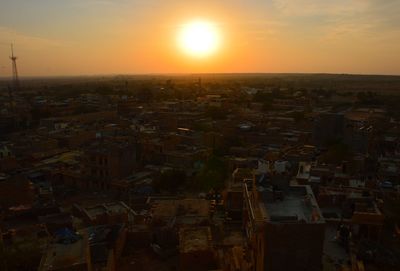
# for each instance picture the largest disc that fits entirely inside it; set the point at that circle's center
(83, 37)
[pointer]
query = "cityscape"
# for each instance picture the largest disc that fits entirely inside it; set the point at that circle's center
(201, 160)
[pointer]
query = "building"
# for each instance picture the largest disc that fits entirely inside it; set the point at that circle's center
(285, 228)
(68, 253)
(328, 128)
(196, 250)
(105, 161)
(233, 196)
(106, 243)
(358, 131)
(4, 151)
(180, 212)
(355, 207)
(16, 191)
(108, 213)
(93, 249)
(139, 183)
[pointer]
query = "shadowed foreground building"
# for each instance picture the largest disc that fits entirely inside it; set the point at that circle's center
(285, 228)
(196, 250)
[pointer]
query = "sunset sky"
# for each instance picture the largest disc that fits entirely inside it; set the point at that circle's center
(74, 37)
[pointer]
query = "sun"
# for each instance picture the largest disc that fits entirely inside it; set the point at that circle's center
(199, 38)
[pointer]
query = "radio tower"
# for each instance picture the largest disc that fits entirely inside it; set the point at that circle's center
(15, 80)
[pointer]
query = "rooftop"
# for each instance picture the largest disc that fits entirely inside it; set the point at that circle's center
(107, 208)
(60, 255)
(101, 239)
(194, 239)
(296, 204)
(188, 207)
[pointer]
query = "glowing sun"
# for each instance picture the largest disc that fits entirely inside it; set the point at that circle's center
(199, 38)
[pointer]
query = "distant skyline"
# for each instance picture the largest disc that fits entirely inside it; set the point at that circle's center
(89, 37)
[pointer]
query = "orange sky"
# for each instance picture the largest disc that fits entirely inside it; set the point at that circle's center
(54, 37)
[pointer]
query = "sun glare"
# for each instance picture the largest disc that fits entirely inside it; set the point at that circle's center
(199, 38)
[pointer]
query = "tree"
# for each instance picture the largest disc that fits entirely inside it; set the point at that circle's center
(212, 176)
(368, 98)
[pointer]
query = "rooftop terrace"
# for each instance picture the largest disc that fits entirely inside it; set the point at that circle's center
(296, 204)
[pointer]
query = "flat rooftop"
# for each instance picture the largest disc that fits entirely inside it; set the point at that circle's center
(181, 207)
(93, 212)
(138, 176)
(297, 204)
(117, 207)
(63, 256)
(194, 239)
(107, 208)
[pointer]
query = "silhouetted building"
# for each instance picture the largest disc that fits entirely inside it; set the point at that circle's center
(108, 160)
(328, 128)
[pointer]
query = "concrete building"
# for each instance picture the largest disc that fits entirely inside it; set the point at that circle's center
(69, 254)
(106, 243)
(354, 207)
(180, 212)
(196, 250)
(94, 249)
(105, 161)
(285, 229)
(233, 196)
(108, 213)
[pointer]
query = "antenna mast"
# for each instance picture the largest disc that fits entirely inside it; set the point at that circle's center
(15, 79)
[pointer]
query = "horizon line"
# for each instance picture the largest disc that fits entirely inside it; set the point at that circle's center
(198, 73)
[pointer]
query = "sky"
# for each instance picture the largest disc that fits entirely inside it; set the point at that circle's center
(92, 37)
